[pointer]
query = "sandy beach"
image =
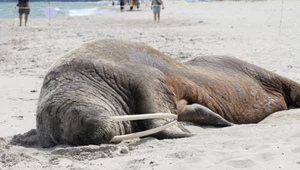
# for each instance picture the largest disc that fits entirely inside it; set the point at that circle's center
(265, 33)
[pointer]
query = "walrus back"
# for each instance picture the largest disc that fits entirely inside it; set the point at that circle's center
(111, 51)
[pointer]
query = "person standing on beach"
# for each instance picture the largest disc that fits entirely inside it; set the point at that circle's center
(23, 9)
(122, 3)
(156, 5)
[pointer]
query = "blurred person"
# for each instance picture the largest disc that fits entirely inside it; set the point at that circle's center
(156, 6)
(122, 4)
(23, 9)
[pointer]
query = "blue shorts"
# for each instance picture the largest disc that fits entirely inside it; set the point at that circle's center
(156, 9)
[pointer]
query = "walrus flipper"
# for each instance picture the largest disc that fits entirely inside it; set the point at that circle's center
(177, 131)
(201, 115)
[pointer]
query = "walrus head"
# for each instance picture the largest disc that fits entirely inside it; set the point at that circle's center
(87, 87)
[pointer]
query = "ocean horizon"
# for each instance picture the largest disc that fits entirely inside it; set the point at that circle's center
(61, 8)
(72, 8)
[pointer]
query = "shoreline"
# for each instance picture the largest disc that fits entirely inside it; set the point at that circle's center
(62, 7)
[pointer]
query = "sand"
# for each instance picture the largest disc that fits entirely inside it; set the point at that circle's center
(263, 33)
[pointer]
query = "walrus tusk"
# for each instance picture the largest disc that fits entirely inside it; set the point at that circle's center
(143, 133)
(144, 116)
(146, 132)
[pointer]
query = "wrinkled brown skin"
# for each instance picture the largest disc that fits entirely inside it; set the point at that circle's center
(104, 78)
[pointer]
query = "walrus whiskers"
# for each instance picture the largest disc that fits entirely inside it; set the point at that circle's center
(142, 117)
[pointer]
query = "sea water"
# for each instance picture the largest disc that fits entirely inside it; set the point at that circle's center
(71, 8)
(62, 9)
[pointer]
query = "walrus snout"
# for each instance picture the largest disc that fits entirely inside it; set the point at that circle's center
(88, 125)
(96, 130)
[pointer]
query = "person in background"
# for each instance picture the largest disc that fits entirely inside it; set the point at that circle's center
(133, 4)
(156, 5)
(138, 3)
(23, 9)
(122, 3)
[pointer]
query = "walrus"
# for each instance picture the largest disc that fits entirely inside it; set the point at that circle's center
(104, 78)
